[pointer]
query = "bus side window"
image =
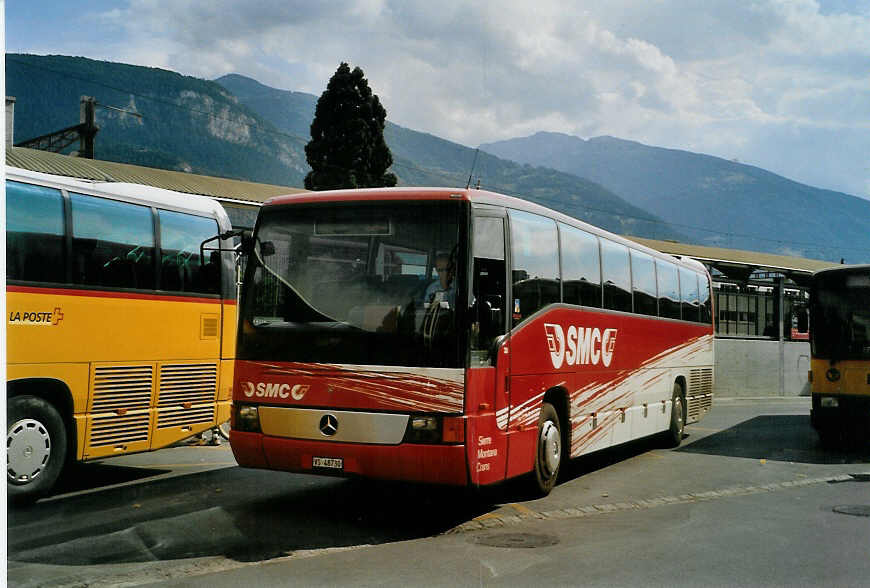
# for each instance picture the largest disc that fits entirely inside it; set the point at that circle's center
(34, 233)
(669, 289)
(488, 287)
(181, 268)
(535, 275)
(113, 243)
(617, 276)
(581, 267)
(643, 283)
(690, 301)
(706, 301)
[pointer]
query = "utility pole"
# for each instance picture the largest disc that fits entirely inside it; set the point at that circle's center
(87, 126)
(85, 132)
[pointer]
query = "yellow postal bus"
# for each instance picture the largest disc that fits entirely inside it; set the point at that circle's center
(840, 338)
(119, 329)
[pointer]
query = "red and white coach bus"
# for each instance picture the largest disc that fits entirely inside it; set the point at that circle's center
(458, 337)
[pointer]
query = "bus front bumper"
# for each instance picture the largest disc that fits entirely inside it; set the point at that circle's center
(430, 464)
(839, 411)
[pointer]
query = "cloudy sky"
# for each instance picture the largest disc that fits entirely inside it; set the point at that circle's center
(781, 84)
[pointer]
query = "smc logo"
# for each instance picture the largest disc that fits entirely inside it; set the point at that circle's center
(265, 390)
(580, 346)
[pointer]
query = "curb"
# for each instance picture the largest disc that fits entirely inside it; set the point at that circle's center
(491, 520)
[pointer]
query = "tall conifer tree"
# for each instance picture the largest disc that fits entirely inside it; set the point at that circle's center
(347, 147)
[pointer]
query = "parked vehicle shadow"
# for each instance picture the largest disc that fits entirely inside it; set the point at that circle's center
(780, 438)
(87, 476)
(246, 515)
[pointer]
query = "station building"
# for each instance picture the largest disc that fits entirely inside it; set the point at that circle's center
(760, 349)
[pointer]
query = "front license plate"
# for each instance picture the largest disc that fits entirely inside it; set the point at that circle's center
(331, 463)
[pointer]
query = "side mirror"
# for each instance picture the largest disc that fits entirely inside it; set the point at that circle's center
(267, 248)
(247, 244)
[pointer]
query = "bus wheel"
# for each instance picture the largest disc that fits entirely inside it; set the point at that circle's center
(674, 435)
(548, 456)
(35, 447)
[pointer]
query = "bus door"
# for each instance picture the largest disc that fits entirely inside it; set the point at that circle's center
(488, 391)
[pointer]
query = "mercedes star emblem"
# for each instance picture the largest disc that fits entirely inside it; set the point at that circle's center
(329, 425)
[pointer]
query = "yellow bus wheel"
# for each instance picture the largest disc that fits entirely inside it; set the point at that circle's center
(36, 447)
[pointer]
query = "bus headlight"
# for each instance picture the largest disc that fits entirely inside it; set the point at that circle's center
(423, 429)
(435, 429)
(247, 418)
(426, 423)
(829, 402)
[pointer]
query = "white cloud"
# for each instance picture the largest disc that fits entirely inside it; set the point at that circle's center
(720, 77)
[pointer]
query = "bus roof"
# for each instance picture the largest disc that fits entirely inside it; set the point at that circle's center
(482, 197)
(843, 269)
(135, 193)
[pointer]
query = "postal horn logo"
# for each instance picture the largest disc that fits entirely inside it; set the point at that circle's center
(36, 317)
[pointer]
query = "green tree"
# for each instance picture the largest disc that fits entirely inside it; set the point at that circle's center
(347, 147)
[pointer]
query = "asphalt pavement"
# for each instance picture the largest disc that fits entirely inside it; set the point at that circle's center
(750, 498)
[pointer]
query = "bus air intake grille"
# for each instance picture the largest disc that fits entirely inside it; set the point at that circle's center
(208, 327)
(700, 381)
(698, 407)
(187, 383)
(180, 417)
(122, 388)
(187, 394)
(117, 430)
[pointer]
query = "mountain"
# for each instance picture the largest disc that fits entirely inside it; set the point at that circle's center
(292, 112)
(186, 123)
(237, 128)
(421, 159)
(714, 201)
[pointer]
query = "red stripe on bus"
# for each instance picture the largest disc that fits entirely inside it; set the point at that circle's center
(106, 294)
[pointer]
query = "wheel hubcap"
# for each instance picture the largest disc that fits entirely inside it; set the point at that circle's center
(28, 448)
(551, 448)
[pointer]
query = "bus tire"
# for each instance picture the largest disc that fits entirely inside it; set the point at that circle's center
(36, 447)
(674, 435)
(548, 453)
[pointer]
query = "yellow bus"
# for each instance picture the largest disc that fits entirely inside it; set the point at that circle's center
(120, 330)
(840, 338)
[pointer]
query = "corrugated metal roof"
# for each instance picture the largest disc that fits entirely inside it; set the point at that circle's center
(766, 261)
(110, 171)
(222, 188)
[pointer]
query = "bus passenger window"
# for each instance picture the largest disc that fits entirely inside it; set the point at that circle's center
(690, 301)
(113, 243)
(643, 282)
(616, 275)
(181, 268)
(488, 288)
(535, 275)
(34, 233)
(581, 267)
(669, 289)
(706, 303)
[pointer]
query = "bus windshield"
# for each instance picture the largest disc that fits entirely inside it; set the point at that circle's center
(840, 315)
(357, 283)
